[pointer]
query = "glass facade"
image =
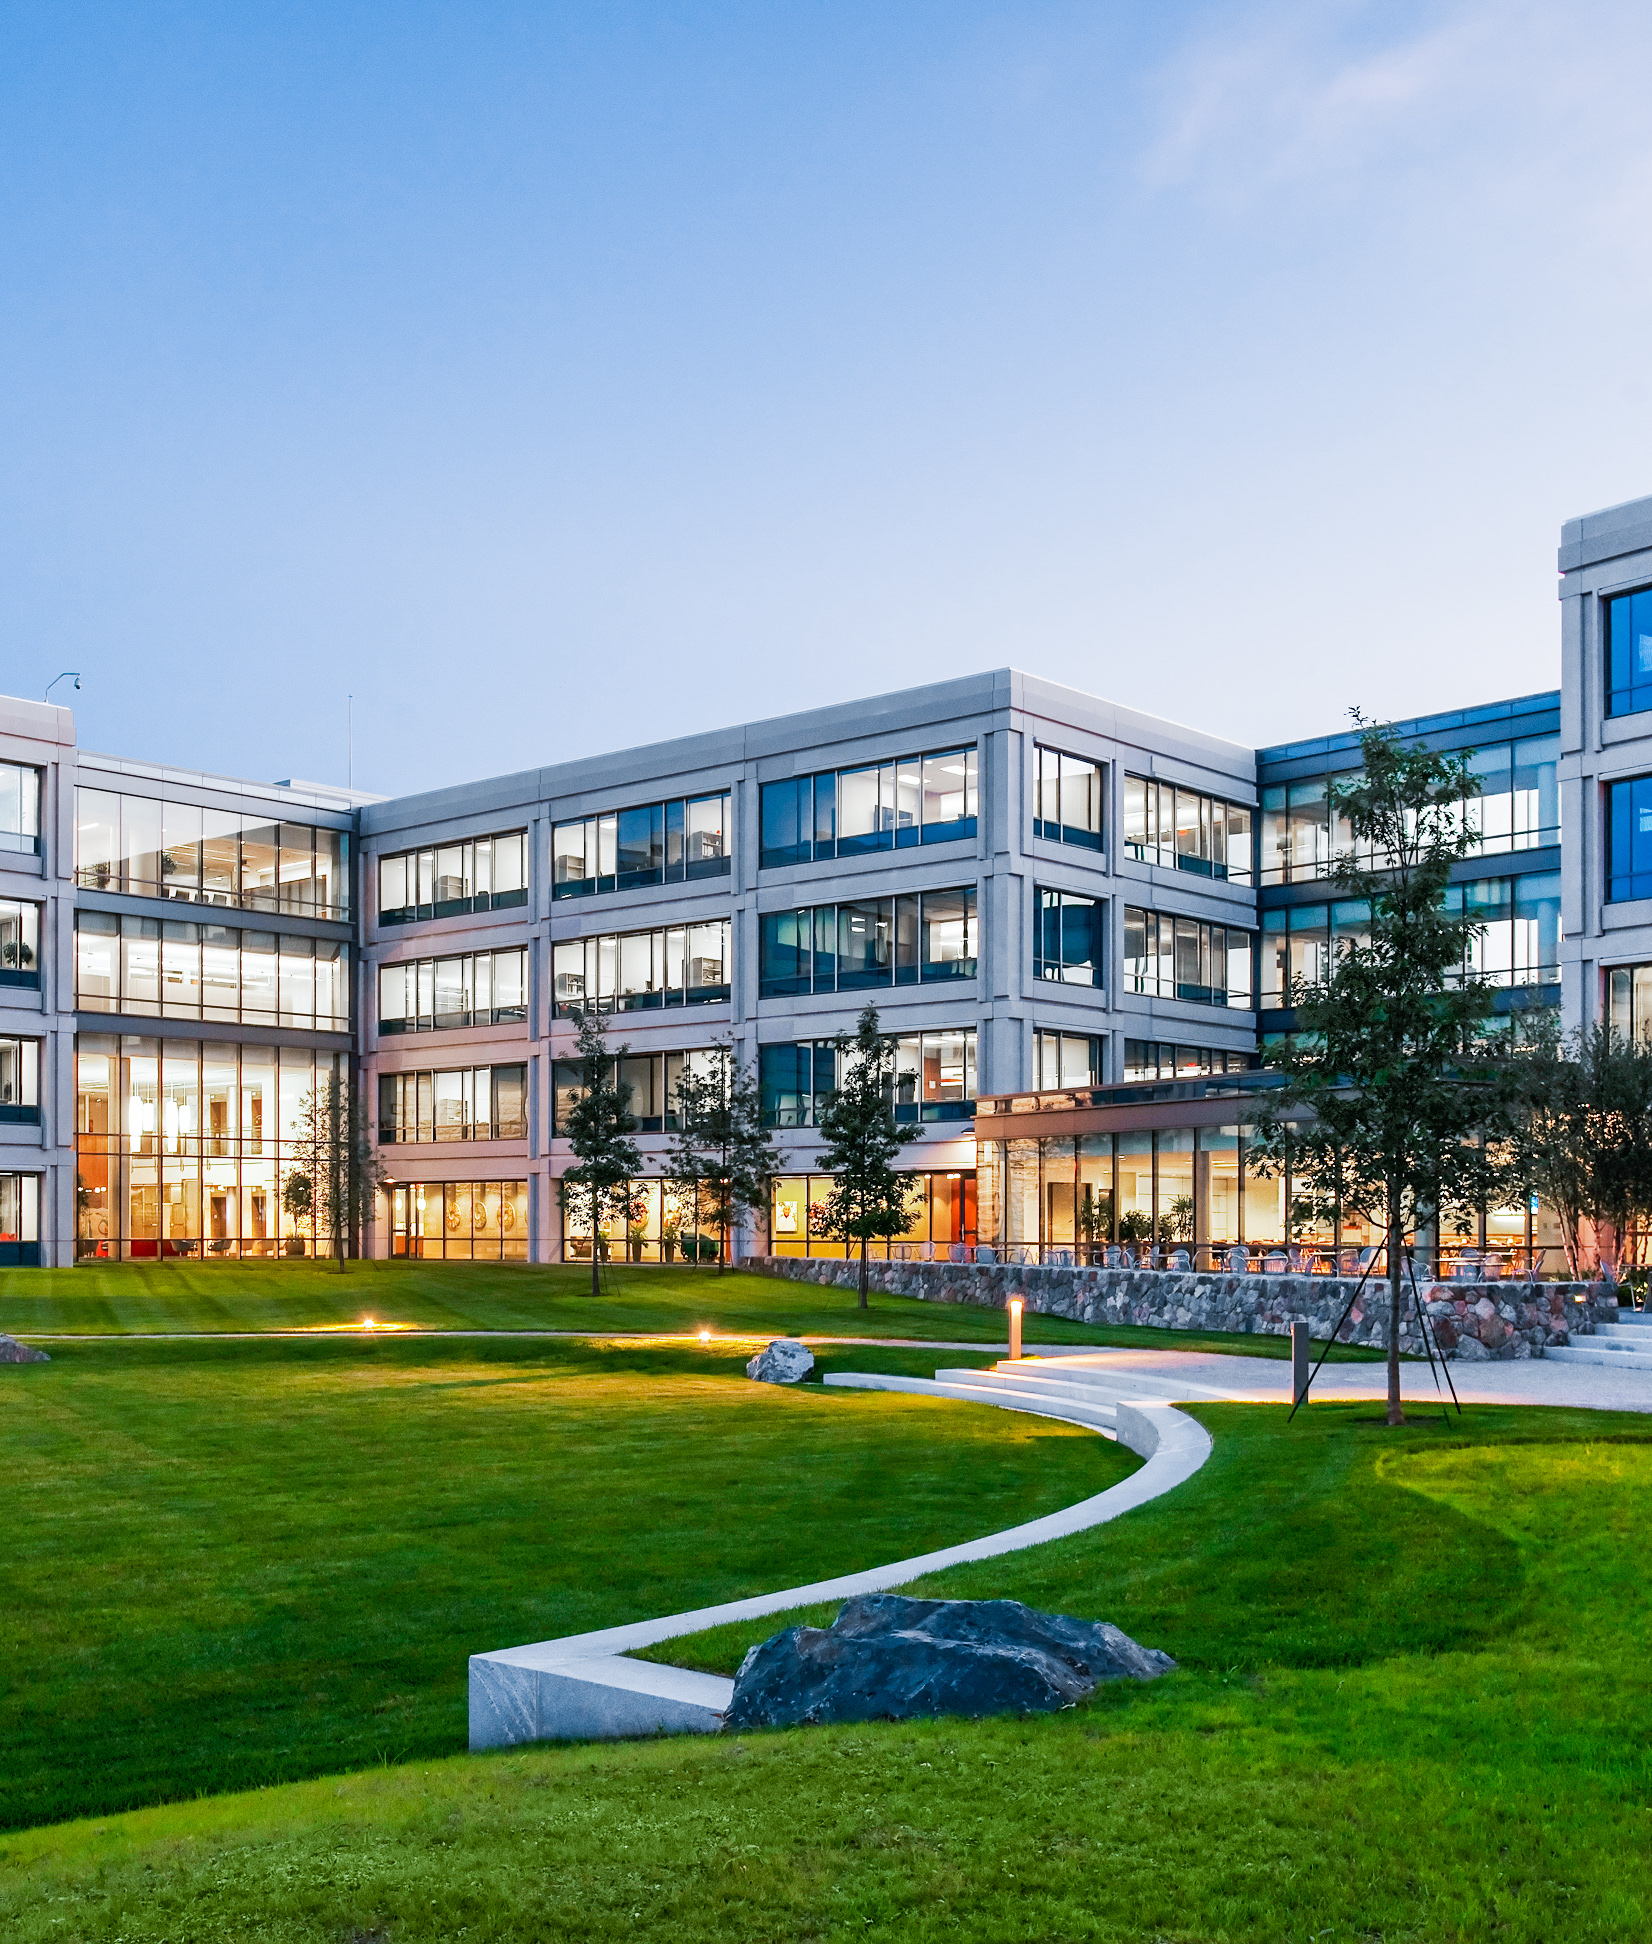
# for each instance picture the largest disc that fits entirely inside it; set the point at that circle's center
(468, 989)
(934, 1078)
(1067, 938)
(164, 968)
(185, 1146)
(20, 809)
(941, 1221)
(155, 849)
(1629, 1001)
(1066, 1060)
(655, 843)
(1160, 1060)
(1068, 798)
(454, 1104)
(653, 1219)
(929, 799)
(1183, 830)
(19, 1221)
(1629, 839)
(872, 942)
(459, 1221)
(1629, 652)
(20, 1080)
(1184, 958)
(678, 965)
(651, 1077)
(447, 880)
(19, 943)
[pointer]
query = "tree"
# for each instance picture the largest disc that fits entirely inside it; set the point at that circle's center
(599, 1127)
(337, 1171)
(1584, 1142)
(722, 1147)
(1391, 1088)
(857, 1121)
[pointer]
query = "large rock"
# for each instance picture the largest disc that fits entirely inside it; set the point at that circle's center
(785, 1361)
(888, 1658)
(11, 1351)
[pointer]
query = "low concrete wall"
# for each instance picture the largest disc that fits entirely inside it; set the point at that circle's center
(1470, 1321)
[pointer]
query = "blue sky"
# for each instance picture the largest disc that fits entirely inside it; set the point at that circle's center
(561, 377)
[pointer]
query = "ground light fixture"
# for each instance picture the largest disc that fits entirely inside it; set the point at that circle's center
(705, 1336)
(1014, 1307)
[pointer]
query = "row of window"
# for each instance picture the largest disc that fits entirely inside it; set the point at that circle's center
(653, 843)
(675, 965)
(176, 969)
(940, 1213)
(19, 808)
(460, 1221)
(463, 989)
(925, 799)
(1185, 830)
(651, 1081)
(1629, 652)
(1515, 808)
(869, 943)
(935, 1078)
(454, 1104)
(1160, 1060)
(19, 1221)
(1185, 958)
(1068, 793)
(19, 1079)
(1067, 938)
(154, 849)
(19, 943)
(447, 880)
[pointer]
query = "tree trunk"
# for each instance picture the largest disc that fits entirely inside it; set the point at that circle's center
(863, 1272)
(1396, 1414)
(596, 1252)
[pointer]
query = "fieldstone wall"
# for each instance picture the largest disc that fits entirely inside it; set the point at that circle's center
(1470, 1321)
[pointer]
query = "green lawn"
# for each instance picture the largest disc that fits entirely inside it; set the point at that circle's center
(122, 1298)
(1415, 1703)
(233, 1562)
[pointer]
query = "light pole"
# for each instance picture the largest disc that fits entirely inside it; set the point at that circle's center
(75, 672)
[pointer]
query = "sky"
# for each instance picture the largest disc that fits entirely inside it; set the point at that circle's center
(555, 378)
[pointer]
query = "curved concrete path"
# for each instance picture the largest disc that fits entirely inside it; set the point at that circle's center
(582, 1687)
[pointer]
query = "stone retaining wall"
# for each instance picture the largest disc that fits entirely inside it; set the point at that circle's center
(1470, 1321)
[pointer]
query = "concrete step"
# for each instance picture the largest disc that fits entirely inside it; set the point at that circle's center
(1094, 1417)
(1615, 1338)
(1580, 1352)
(1005, 1384)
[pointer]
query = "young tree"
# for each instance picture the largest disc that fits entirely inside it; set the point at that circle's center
(722, 1147)
(1391, 1085)
(857, 1121)
(337, 1171)
(599, 1129)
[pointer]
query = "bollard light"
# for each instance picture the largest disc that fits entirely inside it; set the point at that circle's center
(1015, 1327)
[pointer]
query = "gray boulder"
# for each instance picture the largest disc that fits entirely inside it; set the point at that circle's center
(11, 1351)
(888, 1658)
(785, 1361)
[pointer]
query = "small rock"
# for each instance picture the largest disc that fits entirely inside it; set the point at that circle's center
(785, 1361)
(888, 1658)
(11, 1351)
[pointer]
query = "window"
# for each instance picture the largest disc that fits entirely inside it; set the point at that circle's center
(1159, 1060)
(167, 968)
(1184, 958)
(1299, 945)
(463, 1221)
(656, 843)
(1629, 839)
(184, 1145)
(1067, 940)
(941, 1217)
(468, 989)
(1629, 1001)
(19, 943)
(459, 1104)
(651, 1077)
(1629, 652)
(1067, 798)
(909, 800)
(19, 812)
(934, 1078)
(19, 1221)
(636, 971)
(1519, 940)
(1184, 830)
(445, 880)
(868, 943)
(20, 1080)
(1065, 1060)
(152, 849)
